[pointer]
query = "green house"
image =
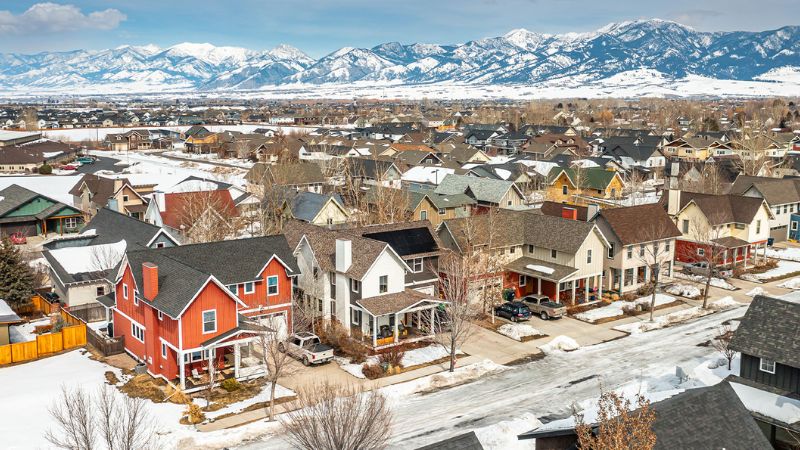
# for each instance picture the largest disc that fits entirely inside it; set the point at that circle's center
(31, 214)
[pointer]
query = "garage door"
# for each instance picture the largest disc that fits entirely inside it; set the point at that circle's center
(276, 322)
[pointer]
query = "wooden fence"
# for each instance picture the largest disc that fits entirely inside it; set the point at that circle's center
(72, 335)
(105, 345)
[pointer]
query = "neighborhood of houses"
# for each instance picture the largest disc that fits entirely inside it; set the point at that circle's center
(181, 249)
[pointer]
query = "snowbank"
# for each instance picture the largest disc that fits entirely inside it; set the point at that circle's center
(518, 331)
(758, 290)
(399, 392)
(92, 258)
(683, 290)
(716, 282)
(678, 316)
(615, 309)
(784, 268)
(559, 344)
(24, 332)
(424, 355)
(794, 283)
(503, 435)
(262, 396)
(788, 254)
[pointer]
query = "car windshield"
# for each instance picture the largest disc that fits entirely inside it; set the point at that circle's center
(313, 341)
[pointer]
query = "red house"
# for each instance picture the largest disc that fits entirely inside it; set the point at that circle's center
(184, 308)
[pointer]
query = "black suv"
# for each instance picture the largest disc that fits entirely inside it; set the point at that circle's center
(513, 311)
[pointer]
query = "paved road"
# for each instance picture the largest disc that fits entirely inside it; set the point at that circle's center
(102, 163)
(546, 387)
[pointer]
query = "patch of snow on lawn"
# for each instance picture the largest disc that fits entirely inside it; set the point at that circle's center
(794, 283)
(678, 316)
(788, 254)
(518, 331)
(716, 282)
(758, 290)
(400, 392)
(353, 369)
(615, 309)
(559, 344)
(683, 290)
(424, 355)
(784, 268)
(503, 435)
(262, 396)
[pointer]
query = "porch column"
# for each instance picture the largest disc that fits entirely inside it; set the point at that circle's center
(621, 279)
(432, 328)
(574, 282)
(765, 254)
(61, 226)
(744, 257)
(210, 363)
(599, 288)
(396, 334)
(725, 257)
(374, 331)
(671, 267)
(539, 286)
(237, 359)
(182, 369)
(586, 290)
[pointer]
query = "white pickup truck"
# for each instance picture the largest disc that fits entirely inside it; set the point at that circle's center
(307, 348)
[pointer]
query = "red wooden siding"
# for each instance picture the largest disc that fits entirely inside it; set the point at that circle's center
(210, 297)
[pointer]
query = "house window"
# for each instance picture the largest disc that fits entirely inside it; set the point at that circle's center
(125, 291)
(589, 256)
(611, 250)
(233, 288)
(767, 365)
(641, 250)
(441, 211)
(210, 321)
(195, 356)
(794, 226)
(163, 350)
(523, 280)
(250, 287)
(564, 189)
(685, 226)
(356, 317)
(333, 308)
(125, 198)
(319, 305)
(509, 203)
(355, 285)
(667, 246)
(740, 226)
(332, 276)
(758, 224)
(554, 254)
(272, 285)
(701, 252)
(159, 245)
(101, 291)
(71, 222)
(383, 284)
(531, 248)
(416, 265)
(423, 215)
(330, 221)
(630, 252)
(160, 315)
(137, 332)
(512, 249)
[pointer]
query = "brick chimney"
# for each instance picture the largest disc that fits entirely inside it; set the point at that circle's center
(150, 278)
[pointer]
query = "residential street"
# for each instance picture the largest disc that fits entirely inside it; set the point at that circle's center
(547, 387)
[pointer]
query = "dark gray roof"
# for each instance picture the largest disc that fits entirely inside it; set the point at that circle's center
(15, 196)
(108, 300)
(111, 226)
(483, 189)
(770, 329)
(182, 271)
(467, 441)
(306, 205)
(639, 148)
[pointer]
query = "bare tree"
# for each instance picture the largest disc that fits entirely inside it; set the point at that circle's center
(212, 377)
(618, 425)
(654, 252)
(455, 275)
(276, 361)
(706, 249)
(722, 343)
(338, 417)
(204, 217)
(73, 415)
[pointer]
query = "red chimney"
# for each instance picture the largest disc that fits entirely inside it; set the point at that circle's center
(150, 277)
(569, 213)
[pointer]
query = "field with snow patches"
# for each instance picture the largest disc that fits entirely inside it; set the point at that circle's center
(411, 358)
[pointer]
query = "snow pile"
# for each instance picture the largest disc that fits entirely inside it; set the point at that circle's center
(262, 396)
(787, 254)
(24, 332)
(503, 435)
(542, 269)
(353, 369)
(683, 290)
(716, 282)
(678, 316)
(616, 309)
(399, 392)
(518, 331)
(775, 406)
(427, 174)
(92, 258)
(424, 355)
(559, 344)
(794, 283)
(758, 290)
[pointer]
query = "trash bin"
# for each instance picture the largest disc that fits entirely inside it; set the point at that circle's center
(140, 369)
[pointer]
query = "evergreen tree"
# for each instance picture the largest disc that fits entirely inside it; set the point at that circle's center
(16, 277)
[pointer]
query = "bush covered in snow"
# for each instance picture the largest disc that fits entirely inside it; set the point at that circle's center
(683, 290)
(519, 331)
(560, 344)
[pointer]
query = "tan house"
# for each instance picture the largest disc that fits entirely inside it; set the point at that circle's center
(93, 192)
(486, 192)
(317, 209)
(297, 176)
(581, 186)
(436, 208)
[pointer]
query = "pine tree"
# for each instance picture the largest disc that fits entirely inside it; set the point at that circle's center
(16, 277)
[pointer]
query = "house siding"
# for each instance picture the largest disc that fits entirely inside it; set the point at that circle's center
(210, 297)
(785, 377)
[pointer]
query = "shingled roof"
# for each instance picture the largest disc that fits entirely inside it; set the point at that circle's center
(182, 271)
(723, 209)
(482, 189)
(111, 226)
(776, 191)
(641, 223)
(770, 329)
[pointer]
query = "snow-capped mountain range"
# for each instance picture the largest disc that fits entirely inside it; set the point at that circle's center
(619, 54)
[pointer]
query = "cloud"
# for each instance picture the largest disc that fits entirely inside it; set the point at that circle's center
(55, 18)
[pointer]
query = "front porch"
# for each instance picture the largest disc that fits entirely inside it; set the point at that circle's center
(395, 319)
(528, 276)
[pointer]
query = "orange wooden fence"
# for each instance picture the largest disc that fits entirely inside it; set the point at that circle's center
(72, 335)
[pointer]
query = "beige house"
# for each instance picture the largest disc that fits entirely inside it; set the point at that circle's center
(94, 192)
(317, 209)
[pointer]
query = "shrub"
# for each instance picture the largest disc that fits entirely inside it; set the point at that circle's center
(230, 384)
(372, 371)
(59, 325)
(45, 169)
(393, 356)
(194, 414)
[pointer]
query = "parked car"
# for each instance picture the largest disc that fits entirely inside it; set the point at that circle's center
(545, 308)
(701, 268)
(69, 167)
(18, 238)
(86, 160)
(51, 297)
(307, 348)
(513, 311)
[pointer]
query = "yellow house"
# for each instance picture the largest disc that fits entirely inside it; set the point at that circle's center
(566, 184)
(437, 208)
(689, 148)
(317, 209)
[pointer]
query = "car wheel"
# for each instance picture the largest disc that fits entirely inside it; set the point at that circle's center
(281, 348)
(306, 362)
(544, 316)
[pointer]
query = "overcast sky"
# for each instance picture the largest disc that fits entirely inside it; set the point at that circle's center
(321, 26)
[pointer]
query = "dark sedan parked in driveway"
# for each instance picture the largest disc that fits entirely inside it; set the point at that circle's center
(513, 311)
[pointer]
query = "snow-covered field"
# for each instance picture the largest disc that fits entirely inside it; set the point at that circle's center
(99, 134)
(518, 331)
(716, 282)
(615, 309)
(788, 254)
(678, 316)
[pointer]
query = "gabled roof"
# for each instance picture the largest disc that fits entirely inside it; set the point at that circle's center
(285, 174)
(111, 226)
(589, 178)
(369, 167)
(482, 189)
(15, 196)
(770, 329)
(415, 238)
(723, 209)
(776, 191)
(640, 224)
(306, 205)
(183, 271)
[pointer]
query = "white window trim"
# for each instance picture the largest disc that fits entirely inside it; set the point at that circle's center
(163, 350)
(252, 287)
(124, 291)
(203, 321)
(414, 265)
(761, 365)
(380, 278)
(701, 251)
(588, 256)
(355, 285)
(277, 285)
(160, 315)
(523, 280)
(134, 327)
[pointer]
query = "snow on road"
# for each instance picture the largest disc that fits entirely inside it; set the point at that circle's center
(546, 388)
